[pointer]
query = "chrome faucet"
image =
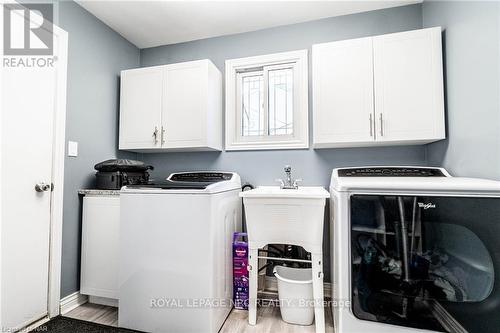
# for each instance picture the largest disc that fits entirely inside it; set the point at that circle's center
(288, 183)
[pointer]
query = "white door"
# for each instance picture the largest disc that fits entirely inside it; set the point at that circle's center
(408, 78)
(140, 108)
(184, 107)
(343, 93)
(28, 105)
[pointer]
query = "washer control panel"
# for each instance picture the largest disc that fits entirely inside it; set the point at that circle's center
(390, 172)
(201, 177)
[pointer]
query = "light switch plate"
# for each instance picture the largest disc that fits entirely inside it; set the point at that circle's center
(72, 148)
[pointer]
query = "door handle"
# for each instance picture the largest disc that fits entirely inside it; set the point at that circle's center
(371, 125)
(162, 135)
(155, 135)
(381, 125)
(42, 187)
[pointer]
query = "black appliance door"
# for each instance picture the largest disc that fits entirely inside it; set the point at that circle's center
(426, 262)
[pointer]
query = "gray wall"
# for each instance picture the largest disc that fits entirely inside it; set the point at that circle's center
(96, 56)
(262, 167)
(472, 62)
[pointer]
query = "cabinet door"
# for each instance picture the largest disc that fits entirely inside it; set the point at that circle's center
(343, 93)
(408, 73)
(140, 108)
(184, 107)
(100, 237)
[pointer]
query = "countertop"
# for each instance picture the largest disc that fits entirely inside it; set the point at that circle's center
(98, 192)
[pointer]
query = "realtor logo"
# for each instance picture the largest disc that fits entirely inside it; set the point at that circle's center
(28, 29)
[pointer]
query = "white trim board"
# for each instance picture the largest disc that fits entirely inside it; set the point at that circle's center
(56, 205)
(103, 301)
(32, 327)
(234, 140)
(55, 254)
(71, 302)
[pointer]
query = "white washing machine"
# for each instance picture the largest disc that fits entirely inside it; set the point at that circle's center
(176, 254)
(414, 249)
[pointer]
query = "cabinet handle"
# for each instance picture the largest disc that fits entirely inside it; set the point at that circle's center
(381, 125)
(155, 135)
(371, 125)
(162, 135)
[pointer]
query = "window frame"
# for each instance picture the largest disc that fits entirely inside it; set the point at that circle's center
(236, 69)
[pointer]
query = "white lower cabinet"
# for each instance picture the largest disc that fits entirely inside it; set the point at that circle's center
(176, 107)
(100, 236)
(382, 90)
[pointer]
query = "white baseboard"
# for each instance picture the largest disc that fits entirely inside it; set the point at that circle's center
(71, 302)
(35, 327)
(103, 301)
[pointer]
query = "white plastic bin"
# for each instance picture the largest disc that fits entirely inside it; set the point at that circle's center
(295, 292)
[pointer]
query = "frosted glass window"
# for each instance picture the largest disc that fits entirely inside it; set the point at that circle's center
(267, 102)
(280, 101)
(253, 117)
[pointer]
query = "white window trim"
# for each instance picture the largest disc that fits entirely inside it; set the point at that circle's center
(300, 137)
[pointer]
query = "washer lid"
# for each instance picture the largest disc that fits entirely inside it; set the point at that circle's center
(198, 182)
(408, 179)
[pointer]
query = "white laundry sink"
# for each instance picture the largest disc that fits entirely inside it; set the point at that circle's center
(285, 216)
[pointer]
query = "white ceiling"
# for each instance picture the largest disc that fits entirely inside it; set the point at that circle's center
(154, 23)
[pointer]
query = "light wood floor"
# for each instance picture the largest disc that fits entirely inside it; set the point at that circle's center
(101, 314)
(268, 320)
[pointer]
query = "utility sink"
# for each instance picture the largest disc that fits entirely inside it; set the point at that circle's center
(305, 192)
(285, 216)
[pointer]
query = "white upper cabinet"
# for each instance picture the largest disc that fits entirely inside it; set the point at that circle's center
(383, 90)
(408, 73)
(343, 92)
(140, 104)
(181, 106)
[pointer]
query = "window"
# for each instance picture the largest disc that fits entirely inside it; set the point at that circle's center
(266, 102)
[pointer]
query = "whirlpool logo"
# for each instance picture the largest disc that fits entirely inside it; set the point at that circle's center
(426, 205)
